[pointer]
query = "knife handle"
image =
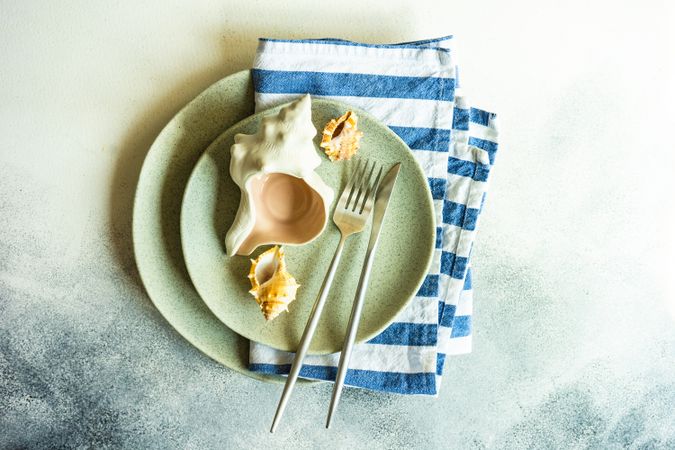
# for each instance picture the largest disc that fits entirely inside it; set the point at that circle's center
(351, 332)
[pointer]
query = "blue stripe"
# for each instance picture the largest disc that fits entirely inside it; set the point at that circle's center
(438, 187)
(440, 362)
(425, 42)
(459, 215)
(408, 334)
(441, 306)
(439, 237)
(421, 45)
(489, 146)
(417, 138)
(353, 84)
(461, 326)
(481, 117)
(453, 265)
(468, 280)
(429, 287)
(397, 382)
(448, 314)
(477, 171)
(460, 119)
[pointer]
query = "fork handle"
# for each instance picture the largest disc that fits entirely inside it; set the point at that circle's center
(307, 335)
(350, 337)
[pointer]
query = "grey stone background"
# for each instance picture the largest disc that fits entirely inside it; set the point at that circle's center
(575, 307)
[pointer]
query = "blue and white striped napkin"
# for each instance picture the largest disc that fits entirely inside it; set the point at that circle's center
(412, 88)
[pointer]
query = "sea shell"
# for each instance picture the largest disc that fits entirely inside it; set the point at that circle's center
(283, 199)
(341, 137)
(271, 284)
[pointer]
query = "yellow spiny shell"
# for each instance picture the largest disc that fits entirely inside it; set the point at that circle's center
(341, 137)
(271, 284)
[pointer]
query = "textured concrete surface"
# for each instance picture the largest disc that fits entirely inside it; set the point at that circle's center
(575, 299)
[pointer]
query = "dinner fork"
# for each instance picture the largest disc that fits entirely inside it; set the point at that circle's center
(351, 214)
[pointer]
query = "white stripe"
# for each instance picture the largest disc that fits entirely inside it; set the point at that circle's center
(318, 51)
(394, 358)
(444, 334)
(451, 289)
(435, 267)
(263, 354)
(420, 310)
(465, 190)
(463, 248)
(453, 345)
(438, 209)
(439, 378)
(434, 164)
(460, 149)
(460, 137)
(462, 102)
(465, 304)
(391, 111)
(383, 65)
(390, 358)
(481, 131)
(452, 243)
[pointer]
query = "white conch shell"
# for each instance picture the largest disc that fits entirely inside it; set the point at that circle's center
(282, 148)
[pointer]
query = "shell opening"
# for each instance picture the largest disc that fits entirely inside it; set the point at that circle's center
(288, 210)
(341, 137)
(283, 198)
(266, 267)
(338, 130)
(271, 285)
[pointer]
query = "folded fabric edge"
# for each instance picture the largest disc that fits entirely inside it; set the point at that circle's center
(423, 383)
(475, 135)
(430, 43)
(436, 50)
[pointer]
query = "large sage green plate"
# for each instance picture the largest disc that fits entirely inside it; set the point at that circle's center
(401, 263)
(156, 218)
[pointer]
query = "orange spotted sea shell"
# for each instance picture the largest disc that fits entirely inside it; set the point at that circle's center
(341, 137)
(271, 285)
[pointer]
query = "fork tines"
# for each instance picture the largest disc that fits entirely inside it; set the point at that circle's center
(361, 182)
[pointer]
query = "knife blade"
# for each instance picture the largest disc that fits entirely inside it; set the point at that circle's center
(381, 202)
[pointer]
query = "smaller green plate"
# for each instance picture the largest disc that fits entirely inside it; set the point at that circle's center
(403, 257)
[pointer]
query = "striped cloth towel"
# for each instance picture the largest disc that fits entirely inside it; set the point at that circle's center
(412, 88)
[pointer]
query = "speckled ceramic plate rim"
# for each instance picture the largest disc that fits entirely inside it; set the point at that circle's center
(414, 164)
(143, 266)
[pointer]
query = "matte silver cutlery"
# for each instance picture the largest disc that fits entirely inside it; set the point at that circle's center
(381, 203)
(351, 215)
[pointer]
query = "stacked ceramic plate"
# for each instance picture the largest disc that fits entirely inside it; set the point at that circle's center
(186, 201)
